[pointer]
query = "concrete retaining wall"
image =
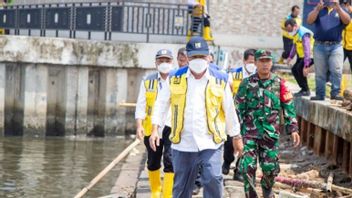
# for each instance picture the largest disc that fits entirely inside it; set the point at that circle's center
(53, 86)
(327, 116)
(59, 86)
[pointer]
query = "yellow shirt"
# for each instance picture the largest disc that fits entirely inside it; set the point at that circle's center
(347, 37)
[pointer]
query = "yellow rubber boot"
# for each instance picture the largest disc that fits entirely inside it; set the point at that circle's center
(189, 35)
(343, 84)
(207, 35)
(155, 183)
(168, 185)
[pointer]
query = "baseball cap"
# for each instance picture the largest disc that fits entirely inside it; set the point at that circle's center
(182, 51)
(164, 53)
(197, 46)
(262, 54)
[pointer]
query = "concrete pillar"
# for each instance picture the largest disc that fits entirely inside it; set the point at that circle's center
(76, 100)
(115, 92)
(35, 100)
(96, 102)
(2, 98)
(55, 122)
(122, 90)
(14, 88)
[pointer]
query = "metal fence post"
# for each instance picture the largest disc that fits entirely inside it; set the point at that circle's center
(148, 22)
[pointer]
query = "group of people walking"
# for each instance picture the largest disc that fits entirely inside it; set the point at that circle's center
(199, 119)
(188, 114)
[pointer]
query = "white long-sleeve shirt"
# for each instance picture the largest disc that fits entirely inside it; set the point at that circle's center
(141, 103)
(195, 136)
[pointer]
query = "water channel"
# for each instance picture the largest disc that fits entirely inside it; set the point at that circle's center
(56, 167)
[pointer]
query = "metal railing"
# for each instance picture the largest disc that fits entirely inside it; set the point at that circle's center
(103, 17)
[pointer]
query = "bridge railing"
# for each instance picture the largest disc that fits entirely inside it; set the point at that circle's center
(107, 20)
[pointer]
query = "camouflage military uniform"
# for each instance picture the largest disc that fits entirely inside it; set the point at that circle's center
(259, 104)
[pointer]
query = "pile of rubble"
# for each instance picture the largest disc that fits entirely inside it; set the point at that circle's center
(347, 100)
(303, 175)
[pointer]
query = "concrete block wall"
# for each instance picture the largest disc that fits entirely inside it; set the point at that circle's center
(244, 23)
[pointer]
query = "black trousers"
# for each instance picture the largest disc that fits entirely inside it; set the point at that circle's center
(288, 44)
(197, 21)
(228, 152)
(297, 71)
(348, 54)
(164, 149)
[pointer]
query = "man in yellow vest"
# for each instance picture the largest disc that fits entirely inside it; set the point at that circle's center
(287, 38)
(303, 46)
(200, 20)
(236, 74)
(201, 106)
(149, 89)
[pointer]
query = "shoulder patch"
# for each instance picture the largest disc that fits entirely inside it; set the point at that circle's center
(285, 93)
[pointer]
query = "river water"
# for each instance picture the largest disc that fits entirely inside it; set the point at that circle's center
(56, 167)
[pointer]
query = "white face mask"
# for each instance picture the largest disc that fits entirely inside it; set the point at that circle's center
(198, 65)
(165, 68)
(294, 32)
(251, 68)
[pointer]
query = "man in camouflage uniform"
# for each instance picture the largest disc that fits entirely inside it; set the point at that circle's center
(259, 100)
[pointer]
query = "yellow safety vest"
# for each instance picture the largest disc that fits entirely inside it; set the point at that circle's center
(298, 38)
(347, 37)
(151, 84)
(284, 32)
(236, 81)
(214, 94)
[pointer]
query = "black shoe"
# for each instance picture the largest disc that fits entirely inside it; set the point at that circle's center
(268, 193)
(317, 98)
(302, 93)
(196, 190)
(225, 169)
(237, 176)
(336, 97)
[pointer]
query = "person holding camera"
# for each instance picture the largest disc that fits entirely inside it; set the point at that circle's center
(329, 19)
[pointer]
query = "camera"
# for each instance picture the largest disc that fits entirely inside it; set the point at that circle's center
(345, 2)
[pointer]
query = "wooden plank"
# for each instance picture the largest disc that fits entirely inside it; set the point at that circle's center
(323, 140)
(307, 133)
(328, 144)
(335, 147)
(350, 169)
(299, 120)
(310, 135)
(303, 131)
(346, 156)
(317, 140)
